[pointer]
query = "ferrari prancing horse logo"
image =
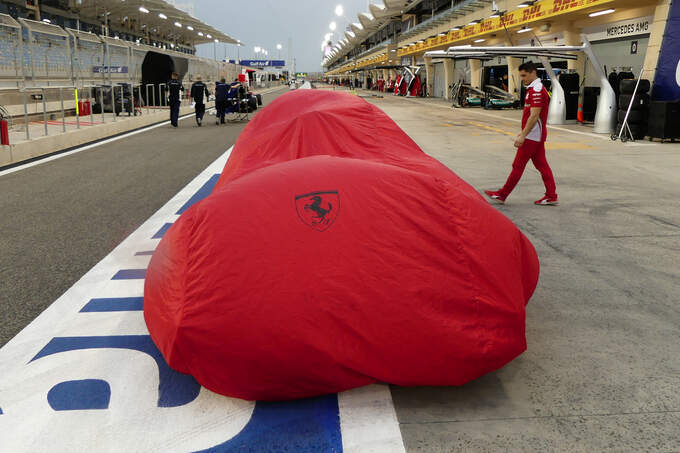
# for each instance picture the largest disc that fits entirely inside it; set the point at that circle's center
(318, 209)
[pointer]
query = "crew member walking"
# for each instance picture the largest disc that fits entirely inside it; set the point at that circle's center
(221, 96)
(174, 99)
(198, 90)
(531, 141)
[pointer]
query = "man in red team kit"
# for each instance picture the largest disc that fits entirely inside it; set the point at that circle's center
(531, 141)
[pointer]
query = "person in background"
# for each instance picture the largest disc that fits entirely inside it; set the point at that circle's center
(530, 143)
(221, 95)
(198, 90)
(174, 99)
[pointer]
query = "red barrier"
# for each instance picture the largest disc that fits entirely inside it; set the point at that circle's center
(4, 132)
(84, 107)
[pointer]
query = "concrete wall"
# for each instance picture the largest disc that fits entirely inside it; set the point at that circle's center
(41, 146)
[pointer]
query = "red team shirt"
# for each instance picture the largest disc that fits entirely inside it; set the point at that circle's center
(537, 96)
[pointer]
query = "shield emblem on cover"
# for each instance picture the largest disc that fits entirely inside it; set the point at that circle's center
(318, 210)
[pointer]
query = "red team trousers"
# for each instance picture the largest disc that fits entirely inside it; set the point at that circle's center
(534, 151)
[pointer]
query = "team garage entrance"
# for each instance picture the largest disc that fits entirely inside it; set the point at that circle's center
(619, 46)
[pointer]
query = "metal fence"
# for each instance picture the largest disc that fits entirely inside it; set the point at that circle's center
(37, 54)
(11, 50)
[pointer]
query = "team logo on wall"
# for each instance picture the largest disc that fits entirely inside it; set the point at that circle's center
(318, 209)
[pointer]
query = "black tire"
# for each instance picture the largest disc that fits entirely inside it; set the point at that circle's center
(641, 101)
(628, 86)
(634, 117)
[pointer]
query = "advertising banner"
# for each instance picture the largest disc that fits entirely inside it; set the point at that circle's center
(260, 63)
(543, 9)
(112, 69)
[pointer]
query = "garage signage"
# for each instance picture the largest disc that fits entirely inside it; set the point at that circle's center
(622, 29)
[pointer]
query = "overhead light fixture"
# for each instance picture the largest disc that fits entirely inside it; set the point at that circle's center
(526, 4)
(497, 13)
(144, 10)
(421, 41)
(524, 30)
(200, 33)
(601, 13)
(177, 24)
(208, 36)
(217, 40)
(456, 28)
(441, 34)
(47, 21)
(474, 22)
(162, 16)
(479, 40)
(189, 27)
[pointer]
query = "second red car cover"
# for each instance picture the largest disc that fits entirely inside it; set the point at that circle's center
(334, 254)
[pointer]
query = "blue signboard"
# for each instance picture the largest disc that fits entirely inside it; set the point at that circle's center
(667, 80)
(112, 69)
(260, 63)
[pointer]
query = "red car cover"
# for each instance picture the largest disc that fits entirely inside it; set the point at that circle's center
(333, 253)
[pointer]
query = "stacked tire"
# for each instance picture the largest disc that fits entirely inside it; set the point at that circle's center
(639, 109)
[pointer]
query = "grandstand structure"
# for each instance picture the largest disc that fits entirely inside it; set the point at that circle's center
(95, 43)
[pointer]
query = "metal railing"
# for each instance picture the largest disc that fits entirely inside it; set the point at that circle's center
(120, 102)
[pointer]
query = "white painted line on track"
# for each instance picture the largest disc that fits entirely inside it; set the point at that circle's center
(104, 142)
(90, 146)
(83, 378)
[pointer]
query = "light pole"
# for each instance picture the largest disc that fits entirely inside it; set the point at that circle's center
(279, 47)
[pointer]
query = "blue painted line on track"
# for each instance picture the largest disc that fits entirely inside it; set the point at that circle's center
(80, 395)
(202, 193)
(114, 304)
(174, 389)
(160, 233)
(300, 426)
(303, 426)
(130, 274)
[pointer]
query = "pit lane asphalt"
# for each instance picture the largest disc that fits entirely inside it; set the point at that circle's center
(60, 218)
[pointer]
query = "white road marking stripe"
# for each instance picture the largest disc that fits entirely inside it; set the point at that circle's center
(133, 422)
(103, 142)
